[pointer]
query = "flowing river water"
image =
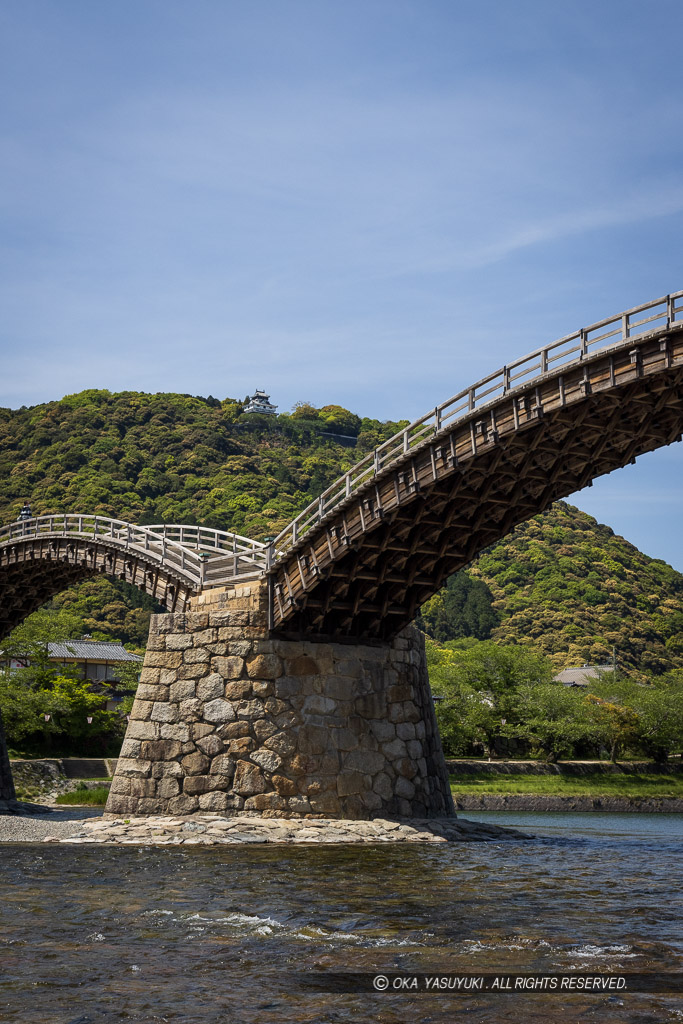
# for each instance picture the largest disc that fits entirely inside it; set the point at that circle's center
(100, 934)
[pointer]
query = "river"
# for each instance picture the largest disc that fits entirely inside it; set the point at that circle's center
(93, 935)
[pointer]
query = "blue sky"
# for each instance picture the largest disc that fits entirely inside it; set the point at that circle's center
(372, 203)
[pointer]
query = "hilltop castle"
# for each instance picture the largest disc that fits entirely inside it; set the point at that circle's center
(260, 402)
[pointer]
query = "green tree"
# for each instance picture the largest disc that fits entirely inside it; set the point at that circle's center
(553, 718)
(463, 608)
(614, 723)
(339, 420)
(479, 682)
(659, 710)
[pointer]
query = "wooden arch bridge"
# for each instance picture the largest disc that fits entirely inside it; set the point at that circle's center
(362, 558)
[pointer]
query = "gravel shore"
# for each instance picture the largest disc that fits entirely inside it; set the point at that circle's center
(61, 822)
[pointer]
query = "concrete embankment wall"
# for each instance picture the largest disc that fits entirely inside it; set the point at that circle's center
(569, 768)
(523, 802)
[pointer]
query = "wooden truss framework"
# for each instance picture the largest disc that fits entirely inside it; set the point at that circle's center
(367, 567)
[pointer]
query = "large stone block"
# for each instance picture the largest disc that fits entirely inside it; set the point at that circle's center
(372, 705)
(132, 767)
(316, 704)
(183, 804)
(160, 750)
(194, 671)
(368, 761)
(167, 787)
(142, 787)
(196, 784)
(191, 710)
(178, 641)
(248, 779)
(264, 666)
(151, 691)
(250, 709)
(229, 668)
(233, 730)
(183, 689)
(164, 712)
(283, 743)
(266, 759)
(174, 731)
(120, 785)
(350, 782)
(223, 765)
(238, 689)
(219, 711)
(141, 730)
(265, 802)
(312, 739)
(163, 659)
(212, 686)
(284, 786)
(195, 764)
(130, 748)
(210, 745)
(196, 655)
(240, 746)
(221, 802)
(301, 665)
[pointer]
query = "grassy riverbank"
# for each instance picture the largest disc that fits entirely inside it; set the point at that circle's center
(624, 784)
(95, 797)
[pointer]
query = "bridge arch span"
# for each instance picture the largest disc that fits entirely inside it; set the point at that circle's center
(384, 538)
(40, 557)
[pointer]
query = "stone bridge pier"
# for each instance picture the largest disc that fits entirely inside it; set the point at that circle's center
(232, 720)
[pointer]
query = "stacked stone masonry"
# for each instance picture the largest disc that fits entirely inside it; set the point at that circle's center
(231, 720)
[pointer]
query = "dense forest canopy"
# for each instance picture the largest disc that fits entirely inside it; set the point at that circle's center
(560, 584)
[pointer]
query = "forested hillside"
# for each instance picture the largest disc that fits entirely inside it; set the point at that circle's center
(175, 458)
(570, 588)
(561, 584)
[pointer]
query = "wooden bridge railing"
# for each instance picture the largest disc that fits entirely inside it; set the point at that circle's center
(571, 349)
(203, 556)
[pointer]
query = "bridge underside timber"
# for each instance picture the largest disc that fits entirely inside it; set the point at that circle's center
(366, 568)
(34, 570)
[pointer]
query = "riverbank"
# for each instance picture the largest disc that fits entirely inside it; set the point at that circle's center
(568, 786)
(81, 825)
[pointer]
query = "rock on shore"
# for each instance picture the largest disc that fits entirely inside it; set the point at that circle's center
(211, 829)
